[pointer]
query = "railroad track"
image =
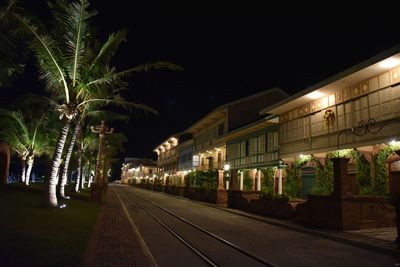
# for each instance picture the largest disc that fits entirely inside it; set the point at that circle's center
(213, 250)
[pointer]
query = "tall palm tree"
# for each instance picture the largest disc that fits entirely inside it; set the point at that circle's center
(72, 69)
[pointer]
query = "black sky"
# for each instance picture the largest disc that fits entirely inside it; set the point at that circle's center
(230, 51)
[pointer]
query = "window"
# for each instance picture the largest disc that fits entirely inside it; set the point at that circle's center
(261, 144)
(272, 141)
(253, 146)
(243, 149)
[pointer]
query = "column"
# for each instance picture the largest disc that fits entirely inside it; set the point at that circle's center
(241, 181)
(340, 179)
(220, 180)
(258, 180)
(280, 185)
(253, 178)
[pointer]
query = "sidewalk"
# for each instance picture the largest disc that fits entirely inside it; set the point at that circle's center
(113, 241)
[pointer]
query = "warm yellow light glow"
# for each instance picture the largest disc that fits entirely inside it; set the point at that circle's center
(389, 63)
(315, 95)
(301, 156)
(227, 167)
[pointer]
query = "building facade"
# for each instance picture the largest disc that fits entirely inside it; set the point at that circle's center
(135, 170)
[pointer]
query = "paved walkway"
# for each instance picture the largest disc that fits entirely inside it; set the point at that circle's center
(115, 241)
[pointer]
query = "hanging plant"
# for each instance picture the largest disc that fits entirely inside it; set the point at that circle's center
(329, 117)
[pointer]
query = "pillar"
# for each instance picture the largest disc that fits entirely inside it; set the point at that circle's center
(280, 183)
(341, 185)
(241, 181)
(258, 180)
(220, 180)
(253, 178)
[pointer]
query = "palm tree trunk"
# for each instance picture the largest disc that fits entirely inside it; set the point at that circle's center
(83, 176)
(23, 173)
(79, 169)
(67, 159)
(90, 179)
(28, 172)
(52, 197)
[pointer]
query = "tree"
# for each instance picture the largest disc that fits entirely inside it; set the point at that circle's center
(27, 136)
(74, 71)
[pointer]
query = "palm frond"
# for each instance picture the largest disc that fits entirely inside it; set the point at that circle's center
(48, 54)
(106, 115)
(113, 76)
(74, 17)
(16, 122)
(109, 48)
(119, 103)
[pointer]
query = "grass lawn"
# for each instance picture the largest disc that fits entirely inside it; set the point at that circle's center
(34, 236)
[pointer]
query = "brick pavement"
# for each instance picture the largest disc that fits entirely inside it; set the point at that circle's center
(113, 241)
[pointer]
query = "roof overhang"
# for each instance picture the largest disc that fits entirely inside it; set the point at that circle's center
(355, 74)
(207, 120)
(171, 142)
(255, 126)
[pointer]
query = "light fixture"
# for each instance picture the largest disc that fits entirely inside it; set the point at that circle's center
(315, 95)
(227, 167)
(389, 63)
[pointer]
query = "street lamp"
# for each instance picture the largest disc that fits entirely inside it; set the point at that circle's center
(227, 167)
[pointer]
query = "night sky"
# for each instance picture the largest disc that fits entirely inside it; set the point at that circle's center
(228, 52)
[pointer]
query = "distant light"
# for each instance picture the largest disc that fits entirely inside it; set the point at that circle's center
(227, 167)
(394, 142)
(67, 197)
(63, 206)
(315, 95)
(185, 172)
(301, 156)
(389, 63)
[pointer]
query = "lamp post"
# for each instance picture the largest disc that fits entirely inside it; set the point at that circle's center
(98, 186)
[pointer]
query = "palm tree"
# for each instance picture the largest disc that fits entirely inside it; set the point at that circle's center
(71, 68)
(26, 135)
